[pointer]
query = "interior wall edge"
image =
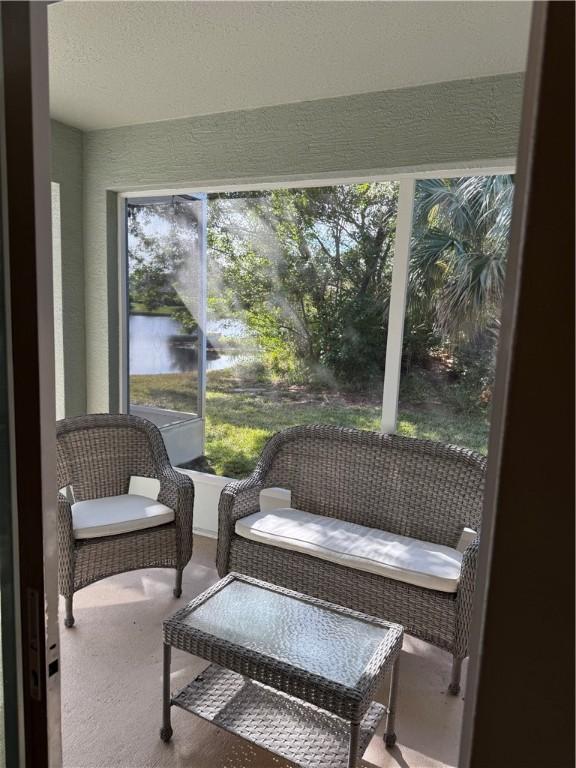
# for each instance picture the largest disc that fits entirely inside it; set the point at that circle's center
(67, 171)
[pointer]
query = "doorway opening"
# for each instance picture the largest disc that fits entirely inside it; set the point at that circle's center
(165, 342)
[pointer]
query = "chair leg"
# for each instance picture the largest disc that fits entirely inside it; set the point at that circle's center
(454, 687)
(178, 584)
(69, 618)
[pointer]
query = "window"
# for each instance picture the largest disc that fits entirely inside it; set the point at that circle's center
(165, 296)
(298, 293)
(306, 317)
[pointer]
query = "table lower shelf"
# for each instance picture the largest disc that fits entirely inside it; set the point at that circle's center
(288, 727)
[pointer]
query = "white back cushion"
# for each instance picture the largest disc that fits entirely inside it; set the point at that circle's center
(274, 498)
(144, 486)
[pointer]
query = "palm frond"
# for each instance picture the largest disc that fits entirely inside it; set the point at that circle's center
(459, 249)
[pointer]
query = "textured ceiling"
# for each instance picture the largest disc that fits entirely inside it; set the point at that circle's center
(126, 61)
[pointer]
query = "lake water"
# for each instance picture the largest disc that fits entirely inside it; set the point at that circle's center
(153, 348)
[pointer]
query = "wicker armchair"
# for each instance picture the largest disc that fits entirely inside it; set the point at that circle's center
(418, 488)
(96, 456)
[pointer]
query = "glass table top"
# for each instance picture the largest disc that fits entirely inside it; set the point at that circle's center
(312, 638)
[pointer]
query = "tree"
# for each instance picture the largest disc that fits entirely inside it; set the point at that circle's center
(163, 273)
(459, 247)
(458, 263)
(310, 270)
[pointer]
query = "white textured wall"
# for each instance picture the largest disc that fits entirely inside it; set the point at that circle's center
(463, 123)
(207, 490)
(67, 173)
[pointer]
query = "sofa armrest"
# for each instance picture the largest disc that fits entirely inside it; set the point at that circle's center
(465, 597)
(177, 492)
(238, 499)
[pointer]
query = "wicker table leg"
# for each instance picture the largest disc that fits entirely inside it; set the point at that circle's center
(390, 735)
(353, 747)
(166, 730)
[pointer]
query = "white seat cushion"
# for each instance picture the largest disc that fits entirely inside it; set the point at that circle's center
(117, 514)
(422, 563)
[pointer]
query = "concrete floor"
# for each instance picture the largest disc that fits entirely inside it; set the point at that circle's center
(111, 687)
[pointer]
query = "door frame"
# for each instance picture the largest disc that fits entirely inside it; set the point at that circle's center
(27, 249)
(519, 705)
(186, 435)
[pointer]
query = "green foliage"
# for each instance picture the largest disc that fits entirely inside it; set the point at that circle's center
(310, 272)
(183, 316)
(458, 264)
(162, 277)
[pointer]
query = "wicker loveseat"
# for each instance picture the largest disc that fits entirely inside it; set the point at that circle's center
(98, 457)
(415, 488)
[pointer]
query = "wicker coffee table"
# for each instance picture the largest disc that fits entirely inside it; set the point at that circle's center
(292, 674)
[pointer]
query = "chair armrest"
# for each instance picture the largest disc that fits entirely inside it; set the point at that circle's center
(238, 499)
(64, 517)
(177, 492)
(469, 563)
(465, 597)
(241, 498)
(66, 547)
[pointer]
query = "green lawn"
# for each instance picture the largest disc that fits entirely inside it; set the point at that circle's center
(241, 414)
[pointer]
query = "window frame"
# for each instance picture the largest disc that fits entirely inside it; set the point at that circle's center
(124, 300)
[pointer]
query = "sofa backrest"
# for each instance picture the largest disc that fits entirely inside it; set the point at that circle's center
(417, 488)
(97, 454)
